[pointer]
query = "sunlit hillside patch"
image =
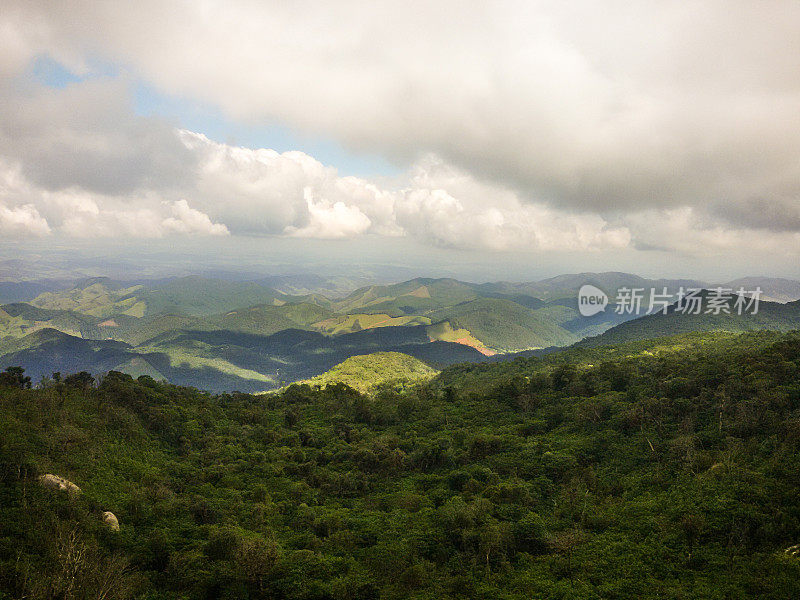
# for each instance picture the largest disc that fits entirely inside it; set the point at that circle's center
(359, 321)
(96, 299)
(421, 292)
(368, 371)
(184, 357)
(138, 366)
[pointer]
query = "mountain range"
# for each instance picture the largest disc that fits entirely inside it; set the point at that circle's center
(222, 335)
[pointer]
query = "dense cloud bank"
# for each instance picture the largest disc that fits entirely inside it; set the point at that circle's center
(536, 125)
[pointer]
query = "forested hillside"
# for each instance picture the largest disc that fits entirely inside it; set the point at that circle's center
(368, 372)
(660, 469)
(770, 316)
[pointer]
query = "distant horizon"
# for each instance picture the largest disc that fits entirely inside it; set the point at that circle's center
(367, 279)
(398, 261)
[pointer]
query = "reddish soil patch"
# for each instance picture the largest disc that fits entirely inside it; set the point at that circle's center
(109, 323)
(466, 342)
(482, 349)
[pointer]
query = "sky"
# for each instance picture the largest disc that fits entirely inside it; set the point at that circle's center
(482, 140)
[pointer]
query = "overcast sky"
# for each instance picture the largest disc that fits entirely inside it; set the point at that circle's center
(659, 137)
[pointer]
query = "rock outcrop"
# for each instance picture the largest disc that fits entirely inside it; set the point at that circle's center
(54, 482)
(111, 521)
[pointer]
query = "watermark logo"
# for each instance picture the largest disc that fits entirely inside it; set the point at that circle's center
(688, 301)
(591, 300)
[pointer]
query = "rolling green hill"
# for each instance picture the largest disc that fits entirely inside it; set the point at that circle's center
(416, 296)
(47, 350)
(771, 316)
(251, 307)
(97, 299)
(201, 297)
(136, 331)
(23, 291)
(269, 319)
(507, 326)
(368, 371)
(357, 321)
(19, 319)
(444, 331)
(187, 295)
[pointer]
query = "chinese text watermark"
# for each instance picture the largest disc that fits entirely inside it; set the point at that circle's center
(690, 301)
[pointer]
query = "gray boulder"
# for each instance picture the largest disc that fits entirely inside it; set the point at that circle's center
(111, 521)
(54, 482)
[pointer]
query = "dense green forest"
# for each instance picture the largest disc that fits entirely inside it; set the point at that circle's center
(660, 469)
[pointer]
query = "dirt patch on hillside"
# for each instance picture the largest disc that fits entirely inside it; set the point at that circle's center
(464, 341)
(479, 347)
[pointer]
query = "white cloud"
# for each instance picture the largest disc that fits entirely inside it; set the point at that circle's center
(22, 221)
(690, 232)
(87, 220)
(77, 162)
(29, 210)
(86, 135)
(331, 220)
(444, 220)
(220, 189)
(264, 192)
(186, 219)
